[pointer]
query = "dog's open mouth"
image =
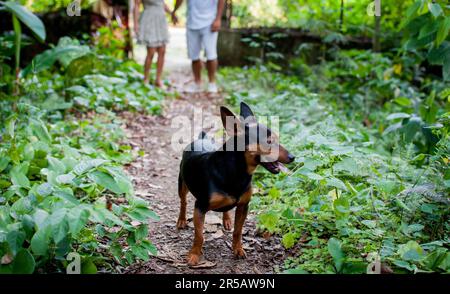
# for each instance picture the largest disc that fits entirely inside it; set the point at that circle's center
(274, 167)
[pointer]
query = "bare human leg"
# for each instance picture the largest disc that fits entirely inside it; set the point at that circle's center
(211, 66)
(197, 70)
(160, 65)
(148, 63)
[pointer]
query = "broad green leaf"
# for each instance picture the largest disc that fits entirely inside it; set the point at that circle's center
(436, 258)
(288, 240)
(23, 262)
(335, 182)
(66, 194)
(446, 69)
(40, 218)
(147, 213)
(369, 223)
(81, 66)
(45, 189)
(105, 180)
(348, 164)
(438, 55)
(354, 267)
(19, 178)
(413, 127)
(313, 176)
(428, 29)
(88, 267)
(28, 18)
(443, 31)
(342, 150)
(269, 220)
(77, 217)
(435, 9)
(40, 241)
(11, 125)
(411, 251)
(59, 224)
(65, 179)
(56, 165)
(22, 206)
(295, 271)
(141, 232)
(4, 161)
(335, 250)
(87, 165)
(398, 115)
(274, 193)
(123, 182)
(150, 247)
(15, 240)
(403, 101)
(341, 206)
(140, 251)
(40, 130)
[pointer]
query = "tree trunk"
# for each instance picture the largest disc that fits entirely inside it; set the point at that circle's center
(341, 17)
(376, 34)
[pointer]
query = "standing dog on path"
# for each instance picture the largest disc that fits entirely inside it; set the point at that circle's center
(221, 179)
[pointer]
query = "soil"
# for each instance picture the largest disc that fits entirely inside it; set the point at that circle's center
(155, 177)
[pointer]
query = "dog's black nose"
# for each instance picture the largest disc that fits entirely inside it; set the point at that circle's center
(291, 158)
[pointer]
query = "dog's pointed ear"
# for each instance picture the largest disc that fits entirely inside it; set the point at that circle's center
(247, 113)
(230, 121)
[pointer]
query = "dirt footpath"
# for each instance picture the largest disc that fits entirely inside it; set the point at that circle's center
(155, 178)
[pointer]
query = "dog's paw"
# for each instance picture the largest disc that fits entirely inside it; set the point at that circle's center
(227, 224)
(239, 252)
(181, 224)
(193, 259)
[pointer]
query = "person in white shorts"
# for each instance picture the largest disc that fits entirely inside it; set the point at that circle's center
(203, 24)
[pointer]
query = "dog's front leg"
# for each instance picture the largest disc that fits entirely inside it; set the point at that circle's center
(239, 219)
(196, 251)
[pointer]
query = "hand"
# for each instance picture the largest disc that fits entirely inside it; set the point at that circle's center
(216, 25)
(174, 18)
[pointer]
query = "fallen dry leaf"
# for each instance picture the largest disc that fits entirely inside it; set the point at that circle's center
(204, 264)
(213, 219)
(6, 259)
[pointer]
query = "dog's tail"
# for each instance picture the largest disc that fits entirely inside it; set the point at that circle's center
(202, 135)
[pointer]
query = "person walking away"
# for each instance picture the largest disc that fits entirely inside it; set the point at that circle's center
(203, 25)
(152, 31)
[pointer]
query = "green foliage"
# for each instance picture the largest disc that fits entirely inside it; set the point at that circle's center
(112, 40)
(320, 17)
(54, 181)
(427, 28)
(27, 18)
(44, 6)
(355, 191)
(61, 168)
(88, 80)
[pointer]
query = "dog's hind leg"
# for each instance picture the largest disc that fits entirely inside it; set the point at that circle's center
(182, 192)
(226, 221)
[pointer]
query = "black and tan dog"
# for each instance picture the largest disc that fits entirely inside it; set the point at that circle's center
(221, 179)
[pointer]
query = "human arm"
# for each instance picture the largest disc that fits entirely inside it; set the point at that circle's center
(218, 21)
(167, 9)
(137, 4)
(173, 14)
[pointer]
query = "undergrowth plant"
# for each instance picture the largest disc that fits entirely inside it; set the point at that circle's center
(357, 193)
(62, 150)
